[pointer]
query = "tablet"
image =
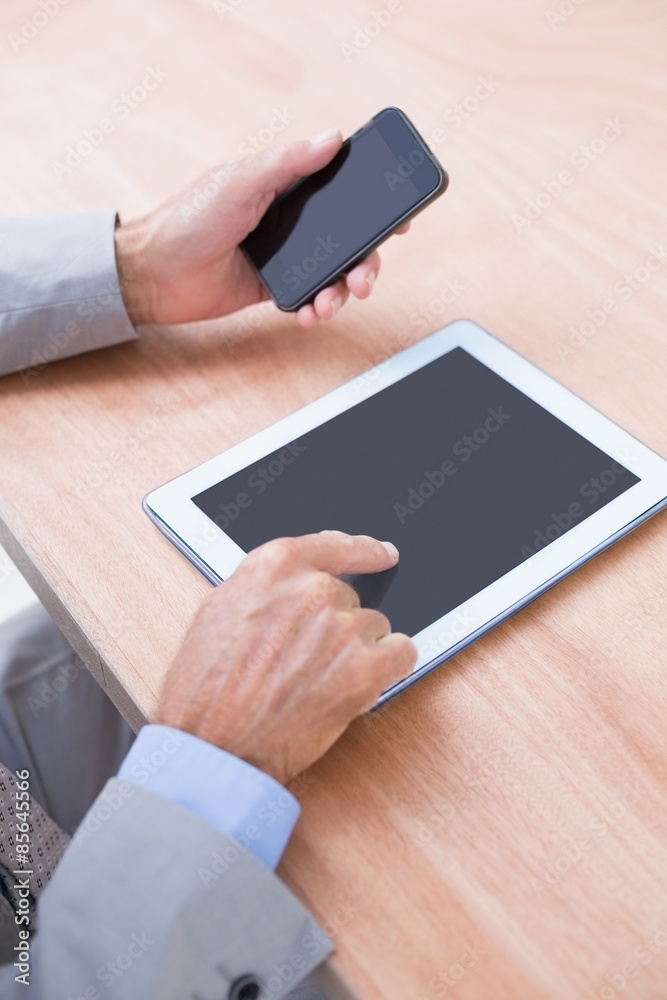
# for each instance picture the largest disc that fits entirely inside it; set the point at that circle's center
(493, 480)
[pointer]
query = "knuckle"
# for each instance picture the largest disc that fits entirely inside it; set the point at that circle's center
(314, 593)
(395, 662)
(217, 175)
(347, 623)
(333, 535)
(348, 593)
(382, 623)
(276, 556)
(323, 587)
(406, 652)
(279, 149)
(367, 684)
(276, 153)
(213, 604)
(346, 627)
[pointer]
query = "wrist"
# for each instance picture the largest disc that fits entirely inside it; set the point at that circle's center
(137, 286)
(266, 764)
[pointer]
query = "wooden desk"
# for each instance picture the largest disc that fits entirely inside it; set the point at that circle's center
(514, 804)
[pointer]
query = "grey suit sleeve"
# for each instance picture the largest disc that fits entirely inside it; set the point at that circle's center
(151, 901)
(59, 292)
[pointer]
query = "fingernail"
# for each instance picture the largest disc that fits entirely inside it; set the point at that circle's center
(391, 549)
(370, 279)
(324, 137)
(335, 305)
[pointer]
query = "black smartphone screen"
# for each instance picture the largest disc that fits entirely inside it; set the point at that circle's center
(322, 224)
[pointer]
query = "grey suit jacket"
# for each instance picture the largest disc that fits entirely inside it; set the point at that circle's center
(59, 292)
(154, 902)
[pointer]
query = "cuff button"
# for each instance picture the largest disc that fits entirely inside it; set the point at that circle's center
(244, 988)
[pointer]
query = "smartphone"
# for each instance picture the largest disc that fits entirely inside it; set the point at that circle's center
(325, 224)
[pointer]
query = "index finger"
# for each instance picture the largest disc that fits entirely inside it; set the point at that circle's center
(337, 553)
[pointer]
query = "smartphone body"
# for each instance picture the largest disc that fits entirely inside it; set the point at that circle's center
(325, 224)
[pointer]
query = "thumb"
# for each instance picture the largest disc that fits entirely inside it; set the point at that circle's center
(273, 170)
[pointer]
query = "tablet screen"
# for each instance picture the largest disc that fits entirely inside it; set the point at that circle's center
(462, 471)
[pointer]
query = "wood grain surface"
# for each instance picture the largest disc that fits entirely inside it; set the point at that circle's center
(501, 829)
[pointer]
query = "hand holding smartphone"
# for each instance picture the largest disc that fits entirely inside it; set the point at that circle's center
(325, 224)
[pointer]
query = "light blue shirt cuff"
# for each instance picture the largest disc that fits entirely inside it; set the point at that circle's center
(239, 800)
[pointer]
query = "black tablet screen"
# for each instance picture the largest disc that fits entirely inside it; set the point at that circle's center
(461, 470)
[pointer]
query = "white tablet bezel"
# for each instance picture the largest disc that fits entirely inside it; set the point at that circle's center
(217, 556)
